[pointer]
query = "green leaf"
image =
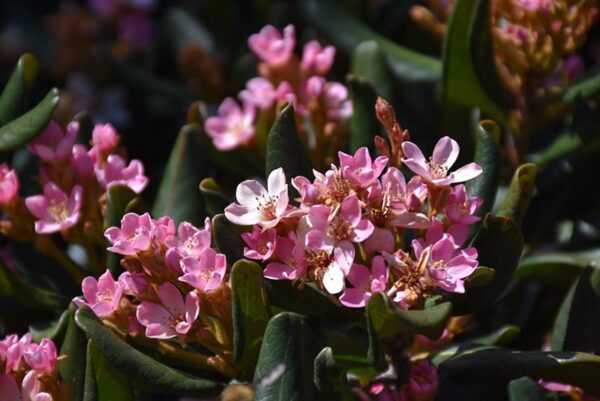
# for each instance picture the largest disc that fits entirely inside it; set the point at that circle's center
(389, 322)
(251, 313)
(346, 32)
(583, 90)
(498, 365)
(576, 327)
(368, 62)
(504, 336)
(214, 200)
(525, 389)
(14, 95)
(468, 42)
(284, 147)
(139, 367)
(487, 155)
(120, 200)
(499, 244)
(520, 192)
(227, 237)
(285, 369)
(480, 277)
(89, 388)
(308, 301)
(556, 268)
(72, 368)
(363, 123)
(18, 132)
(330, 378)
(27, 294)
(110, 384)
(53, 330)
(178, 195)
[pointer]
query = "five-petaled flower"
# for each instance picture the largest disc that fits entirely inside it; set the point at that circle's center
(102, 296)
(54, 210)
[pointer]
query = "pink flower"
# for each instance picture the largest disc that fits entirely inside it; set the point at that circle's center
(285, 93)
(359, 169)
(460, 208)
(365, 283)
(423, 381)
(116, 173)
(9, 388)
(339, 107)
(134, 235)
(11, 351)
(206, 272)
(258, 205)
(104, 138)
(232, 127)
(270, 46)
(31, 389)
(102, 296)
(82, 162)
(163, 228)
(316, 59)
(190, 241)
(41, 357)
(133, 283)
(290, 266)
(259, 93)
(261, 244)
(436, 171)
(170, 318)
(447, 266)
(536, 5)
(555, 386)
(9, 184)
(54, 145)
(54, 210)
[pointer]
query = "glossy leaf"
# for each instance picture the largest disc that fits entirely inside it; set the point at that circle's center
(27, 294)
(330, 378)
(90, 392)
(137, 366)
(520, 193)
(227, 238)
(251, 313)
(363, 123)
(214, 200)
(110, 384)
(178, 195)
(475, 364)
(14, 94)
(368, 62)
(576, 327)
(345, 32)
(18, 132)
(504, 336)
(285, 368)
(499, 244)
(284, 148)
(480, 277)
(72, 368)
(525, 389)
(556, 268)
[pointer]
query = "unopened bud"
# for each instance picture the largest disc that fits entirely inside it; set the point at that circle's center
(385, 114)
(382, 145)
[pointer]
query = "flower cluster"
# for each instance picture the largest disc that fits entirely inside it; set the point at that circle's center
(28, 371)
(349, 231)
(173, 284)
(74, 179)
(284, 78)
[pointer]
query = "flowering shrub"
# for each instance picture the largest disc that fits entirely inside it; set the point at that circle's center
(343, 214)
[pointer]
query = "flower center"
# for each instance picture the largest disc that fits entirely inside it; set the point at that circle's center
(317, 263)
(58, 211)
(437, 170)
(340, 229)
(175, 319)
(267, 205)
(104, 296)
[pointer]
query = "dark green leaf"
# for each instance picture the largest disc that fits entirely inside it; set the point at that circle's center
(363, 123)
(478, 363)
(178, 195)
(139, 367)
(480, 277)
(584, 90)
(525, 389)
(330, 378)
(214, 200)
(18, 132)
(368, 62)
(499, 244)
(53, 330)
(227, 237)
(89, 388)
(110, 384)
(14, 95)
(557, 268)
(285, 369)
(577, 327)
(346, 33)
(251, 313)
(504, 336)
(72, 368)
(520, 192)
(284, 147)
(27, 294)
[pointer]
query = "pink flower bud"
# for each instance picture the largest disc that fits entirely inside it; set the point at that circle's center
(9, 184)
(270, 46)
(316, 59)
(116, 173)
(41, 357)
(104, 138)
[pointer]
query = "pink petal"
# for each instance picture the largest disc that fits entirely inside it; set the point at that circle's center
(446, 152)
(467, 172)
(353, 298)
